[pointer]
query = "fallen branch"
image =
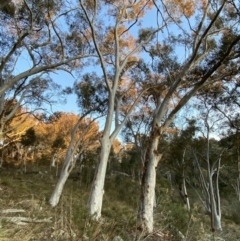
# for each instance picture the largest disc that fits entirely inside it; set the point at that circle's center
(120, 173)
(13, 211)
(25, 220)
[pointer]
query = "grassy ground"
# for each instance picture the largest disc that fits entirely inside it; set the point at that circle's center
(69, 220)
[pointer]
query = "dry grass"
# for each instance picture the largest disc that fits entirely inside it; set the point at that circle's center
(70, 221)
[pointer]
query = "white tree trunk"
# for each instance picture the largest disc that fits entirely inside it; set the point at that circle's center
(184, 188)
(53, 161)
(213, 192)
(186, 194)
(97, 191)
(146, 205)
(67, 167)
(217, 220)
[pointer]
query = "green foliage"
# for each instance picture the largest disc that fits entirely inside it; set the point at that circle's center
(59, 143)
(43, 159)
(131, 162)
(163, 185)
(178, 216)
(91, 93)
(54, 117)
(29, 138)
(74, 37)
(8, 8)
(67, 91)
(87, 175)
(70, 220)
(144, 34)
(38, 10)
(226, 41)
(9, 105)
(123, 189)
(234, 210)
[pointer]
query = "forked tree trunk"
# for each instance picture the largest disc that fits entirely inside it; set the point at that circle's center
(216, 216)
(97, 191)
(211, 185)
(212, 197)
(214, 207)
(214, 191)
(146, 205)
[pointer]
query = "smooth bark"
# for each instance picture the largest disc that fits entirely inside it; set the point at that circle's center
(69, 162)
(67, 167)
(113, 92)
(210, 183)
(147, 198)
(162, 119)
(97, 191)
(183, 191)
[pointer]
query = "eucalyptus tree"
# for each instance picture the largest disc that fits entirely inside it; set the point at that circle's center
(88, 135)
(210, 160)
(178, 158)
(28, 141)
(24, 100)
(34, 43)
(211, 45)
(227, 102)
(117, 56)
(224, 98)
(231, 161)
(136, 130)
(125, 49)
(34, 32)
(84, 133)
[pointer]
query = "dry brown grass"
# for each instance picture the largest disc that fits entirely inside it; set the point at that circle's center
(31, 192)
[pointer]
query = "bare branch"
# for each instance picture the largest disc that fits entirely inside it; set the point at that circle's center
(91, 23)
(36, 70)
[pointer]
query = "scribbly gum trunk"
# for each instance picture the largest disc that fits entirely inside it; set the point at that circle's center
(146, 205)
(96, 195)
